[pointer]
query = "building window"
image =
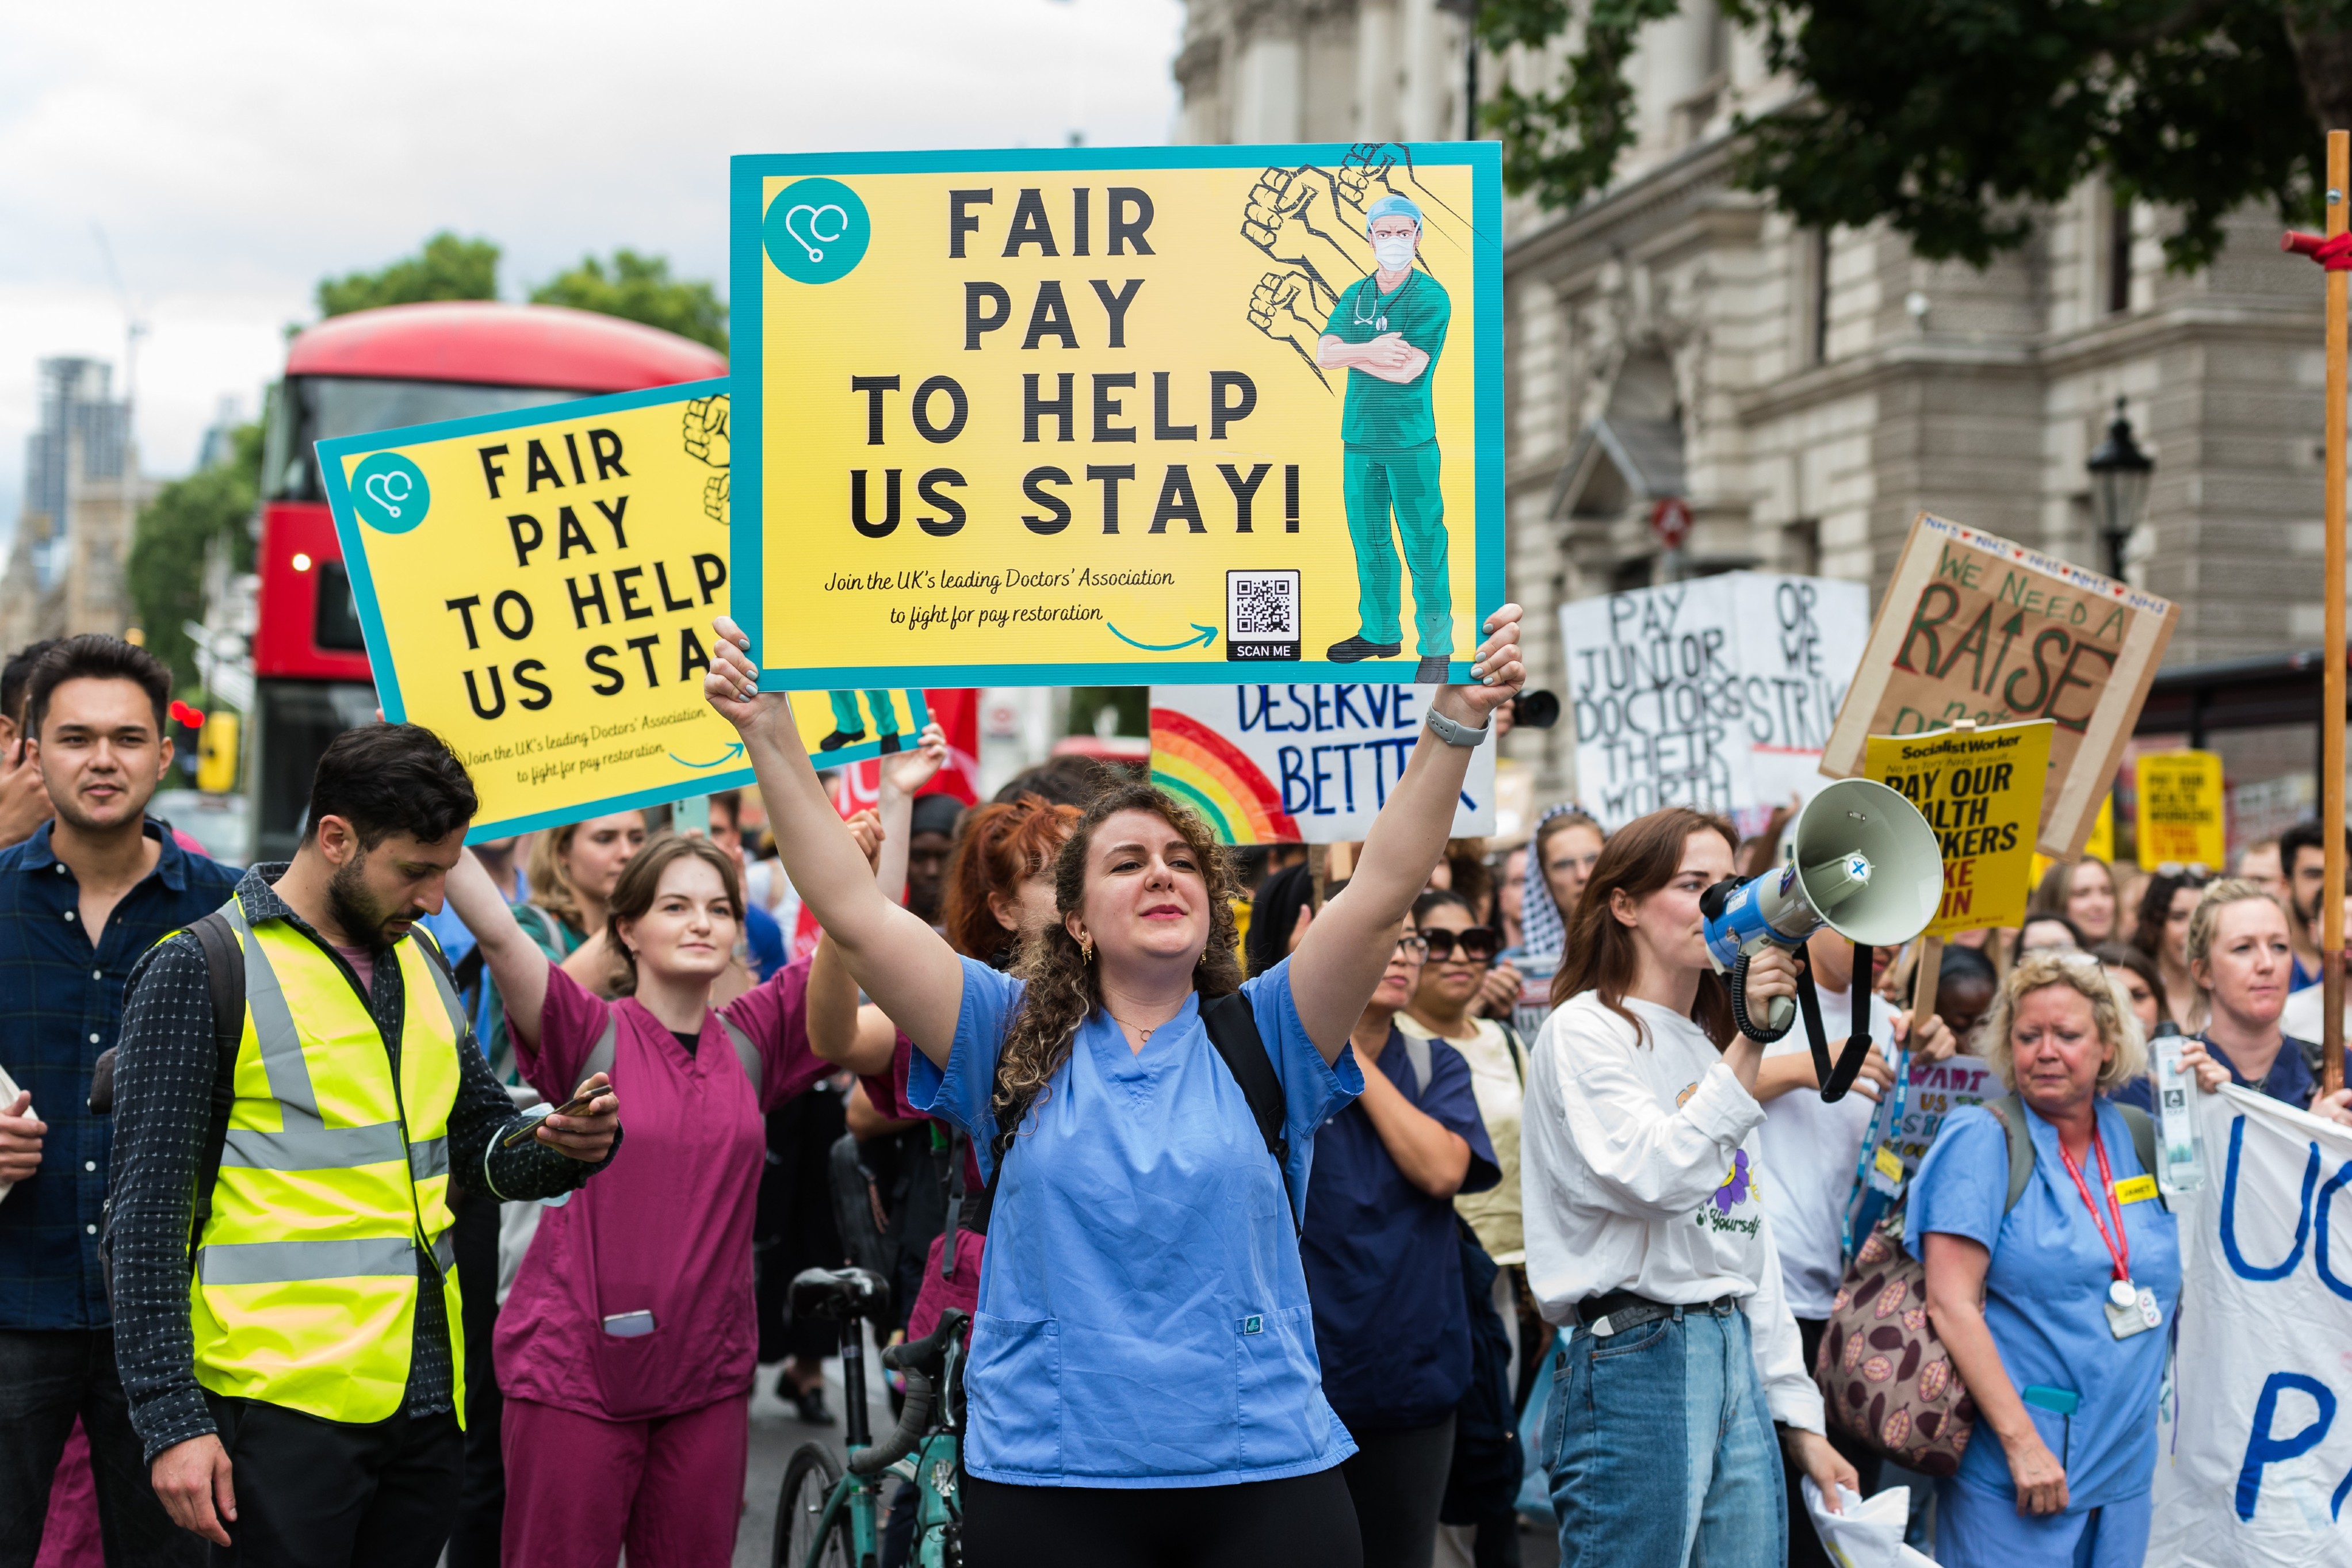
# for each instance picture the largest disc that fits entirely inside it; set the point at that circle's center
(1631, 574)
(2119, 255)
(1801, 547)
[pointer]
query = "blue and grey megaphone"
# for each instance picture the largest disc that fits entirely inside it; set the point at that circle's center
(1861, 861)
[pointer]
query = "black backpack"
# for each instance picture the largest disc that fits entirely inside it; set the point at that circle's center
(224, 981)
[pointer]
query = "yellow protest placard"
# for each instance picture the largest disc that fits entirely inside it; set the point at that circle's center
(1119, 415)
(1980, 789)
(537, 588)
(2180, 810)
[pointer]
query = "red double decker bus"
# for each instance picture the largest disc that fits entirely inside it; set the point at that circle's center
(378, 370)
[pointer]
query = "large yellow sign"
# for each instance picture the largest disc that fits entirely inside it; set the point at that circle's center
(2182, 818)
(1980, 789)
(1119, 415)
(537, 588)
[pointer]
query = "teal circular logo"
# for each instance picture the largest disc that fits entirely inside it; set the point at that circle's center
(816, 230)
(389, 492)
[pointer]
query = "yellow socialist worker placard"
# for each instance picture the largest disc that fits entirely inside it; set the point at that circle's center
(1119, 415)
(537, 588)
(1980, 789)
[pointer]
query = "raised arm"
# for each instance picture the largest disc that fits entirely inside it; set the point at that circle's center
(840, 1031)
(1339, 960)
(902, 775)
(511, 957)
(905, 966)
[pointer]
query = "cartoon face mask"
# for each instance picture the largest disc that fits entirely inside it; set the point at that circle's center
(1394, 251)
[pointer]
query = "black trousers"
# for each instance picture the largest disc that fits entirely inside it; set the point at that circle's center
(46, 1378)
(323, 1494)
(1805, 1550)
(1397, 1478)
(482, 1497)
(1305, 1521)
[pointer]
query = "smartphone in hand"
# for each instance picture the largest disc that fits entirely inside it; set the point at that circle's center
(578, 1105)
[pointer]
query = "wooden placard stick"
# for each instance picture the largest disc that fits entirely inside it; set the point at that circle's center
(2331, 815)
(2328, 253)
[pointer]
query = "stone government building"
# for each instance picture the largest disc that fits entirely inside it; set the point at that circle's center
(1807, 393)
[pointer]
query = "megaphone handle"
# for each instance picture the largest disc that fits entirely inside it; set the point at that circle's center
(1857, 1043)
(1763, 1034)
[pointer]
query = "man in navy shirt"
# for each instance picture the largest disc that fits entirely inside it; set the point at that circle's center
(80, 901)
(1384, 1267)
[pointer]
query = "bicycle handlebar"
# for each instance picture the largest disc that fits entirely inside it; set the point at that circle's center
(914, 1420)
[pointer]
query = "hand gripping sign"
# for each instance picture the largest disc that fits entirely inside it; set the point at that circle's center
(537, 588)
(1123, 416)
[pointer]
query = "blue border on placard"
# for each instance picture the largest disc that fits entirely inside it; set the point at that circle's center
(747, 324)
(353, 536)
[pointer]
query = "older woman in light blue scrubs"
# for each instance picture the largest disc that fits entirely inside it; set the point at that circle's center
(2057, 1312)
(1143, 1383)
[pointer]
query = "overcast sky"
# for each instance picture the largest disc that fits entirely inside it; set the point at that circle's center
(232, 153)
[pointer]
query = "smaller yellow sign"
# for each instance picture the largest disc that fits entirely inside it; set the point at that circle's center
(1980, 789)
(2180, 821)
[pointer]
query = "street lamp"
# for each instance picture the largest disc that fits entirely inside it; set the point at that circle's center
(2120, 473)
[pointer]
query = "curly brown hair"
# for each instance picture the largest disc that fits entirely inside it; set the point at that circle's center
(1062, 988)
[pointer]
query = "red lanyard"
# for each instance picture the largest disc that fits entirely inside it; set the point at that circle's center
(2119, 1247)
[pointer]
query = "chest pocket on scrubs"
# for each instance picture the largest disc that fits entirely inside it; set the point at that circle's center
(634, 1276)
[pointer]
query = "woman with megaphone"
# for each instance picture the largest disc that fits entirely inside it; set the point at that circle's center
(1647, 1238)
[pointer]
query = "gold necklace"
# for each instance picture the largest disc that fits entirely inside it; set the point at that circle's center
(1137, 1027)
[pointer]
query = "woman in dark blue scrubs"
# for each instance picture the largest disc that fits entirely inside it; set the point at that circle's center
(1384, 1267)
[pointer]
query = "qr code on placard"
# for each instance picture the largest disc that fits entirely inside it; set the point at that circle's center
(1262, 616)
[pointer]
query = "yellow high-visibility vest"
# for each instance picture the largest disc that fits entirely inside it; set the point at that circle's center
(333, 1186)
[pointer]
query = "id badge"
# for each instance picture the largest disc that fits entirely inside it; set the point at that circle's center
(1886, 1171)
(2135, 1314)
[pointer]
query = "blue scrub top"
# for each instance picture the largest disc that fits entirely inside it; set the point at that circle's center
(765, 937)
(1383, 1262)
(2043, 1295)
(1143, 1316)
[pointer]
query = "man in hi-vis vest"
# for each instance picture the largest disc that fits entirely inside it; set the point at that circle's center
(287, 1316)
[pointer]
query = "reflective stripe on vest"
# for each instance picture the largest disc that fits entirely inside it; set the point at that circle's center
(333, 1174)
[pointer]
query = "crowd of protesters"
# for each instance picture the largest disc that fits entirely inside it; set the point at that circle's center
(1532, 1188)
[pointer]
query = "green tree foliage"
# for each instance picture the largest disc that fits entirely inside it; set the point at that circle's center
(640, 289)
(448, 268)
(1949, 117)
(165, 573)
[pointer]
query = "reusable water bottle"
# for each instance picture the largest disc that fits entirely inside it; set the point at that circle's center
(2181, 1154)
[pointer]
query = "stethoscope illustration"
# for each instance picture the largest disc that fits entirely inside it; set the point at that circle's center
(1379, 322)
(816, 251)
(386, 497)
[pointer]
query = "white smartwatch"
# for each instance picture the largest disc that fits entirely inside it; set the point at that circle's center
(1455, 733)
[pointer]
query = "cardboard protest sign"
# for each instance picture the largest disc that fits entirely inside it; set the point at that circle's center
(1119, 415)
(1980, 789)
(2181, 810)
(1299, 764)
(2254, 1446)
(537, 587)
(1717, 694)
(1974, 626)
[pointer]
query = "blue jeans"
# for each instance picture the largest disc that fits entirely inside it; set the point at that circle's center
(1661, 1450)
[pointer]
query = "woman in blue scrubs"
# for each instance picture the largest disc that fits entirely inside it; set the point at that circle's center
(1143, 1384)
(2057, 1312)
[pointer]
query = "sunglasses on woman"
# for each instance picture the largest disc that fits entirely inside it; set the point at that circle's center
(1477, 945)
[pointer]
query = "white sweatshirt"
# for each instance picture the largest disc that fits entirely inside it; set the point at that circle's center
(1639, 1172)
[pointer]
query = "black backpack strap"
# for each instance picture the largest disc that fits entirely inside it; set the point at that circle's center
(1233, 1029)
(225, 979)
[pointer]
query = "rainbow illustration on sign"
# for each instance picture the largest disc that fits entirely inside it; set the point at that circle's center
(1211, 774)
